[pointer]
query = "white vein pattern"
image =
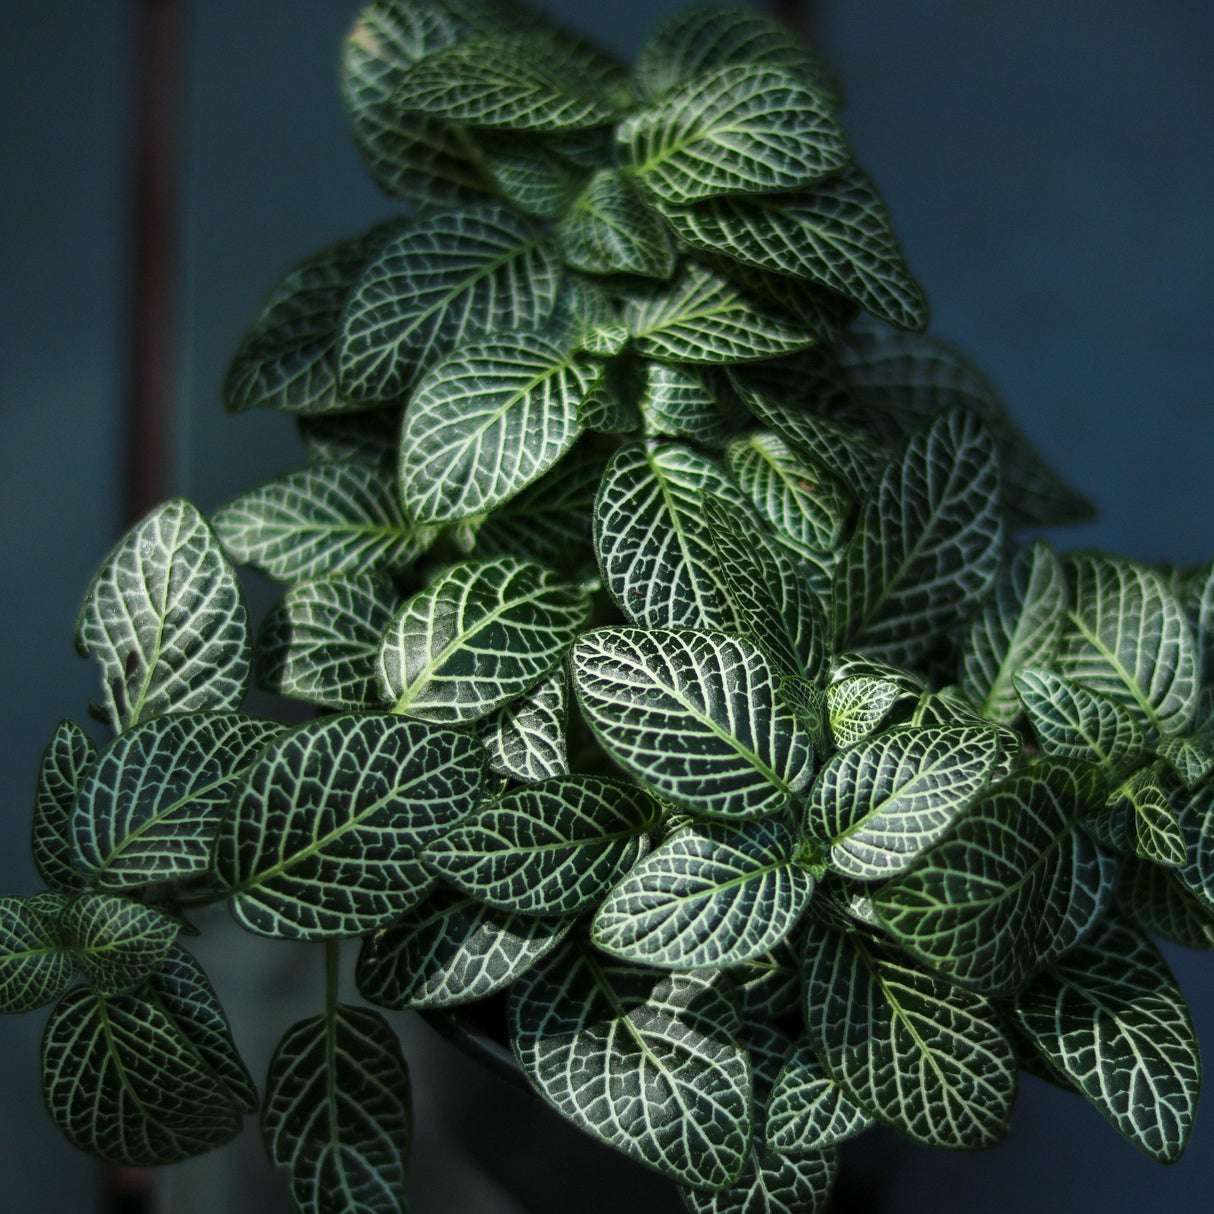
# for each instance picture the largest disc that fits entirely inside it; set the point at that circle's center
(609, 229)
(710, 896)
(647, 1062)
(1141, 818)
(337, 1113)
(448, 279)
(1012, 888)
(531, 175)
(856, 707)
(808, 1110)
(35, 967)
(65, 763)
(323, 837)
(165, 618)
(525, 739)
(1196, 820)
(1157, 900)
(117, 942)
(1111, 1018)
(695, 716)
(487, 421)
(681, 402)
(479, 636)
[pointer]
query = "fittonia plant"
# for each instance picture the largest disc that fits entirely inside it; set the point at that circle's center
(682, 669)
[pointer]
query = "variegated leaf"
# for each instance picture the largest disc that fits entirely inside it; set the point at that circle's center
(117, 942)
(1158, 901)
(862, 693)
(1141, 818)
(35, 967)
(1191, 757)
(65, 763)
(769, 987)
(530, 174)
(1195, 816)
(686, 402)
(808, 1110)
(610, 229)
(526, 738)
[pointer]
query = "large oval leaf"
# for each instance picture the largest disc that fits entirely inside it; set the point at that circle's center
(165, 618)
(648, 1063)
(696, 716)
(65, 763)
(478, 637)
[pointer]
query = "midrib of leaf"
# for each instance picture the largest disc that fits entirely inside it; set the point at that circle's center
(680, 534)
(691, 136)
(732, 883)
(707, 309)
(116, 1058)
(559, 845)
(136, 710)
(1126, 677)
(519, 394)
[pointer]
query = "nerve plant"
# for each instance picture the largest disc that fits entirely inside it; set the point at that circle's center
(682, 669)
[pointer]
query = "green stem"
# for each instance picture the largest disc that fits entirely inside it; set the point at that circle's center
(331, 978)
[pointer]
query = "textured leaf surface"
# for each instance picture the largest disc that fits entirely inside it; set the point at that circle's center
(1156, 899)
(337, 1113)
(1196, 819)
(526, 738)
(65, 762)
(1141, 818)
(451, 950)
(695, 715)
(686, 402)
(117, 941)
(610, 230)
(912, 1049)
(151, 806)
(1014, 885)
(711, 896)
(927, 546)
(531, 175)
(165, 619)
(370, 436)
(35, 968)
(323, 837)
(648, 1063)
(808, 1109)
(877, 805)
(477, 637)
(1112, 1019)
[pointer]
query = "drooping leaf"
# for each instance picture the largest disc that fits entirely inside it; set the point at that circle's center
(837, 235)
(1018, 627)
(337, 518)
(526, 738)
(452, 950)
(1141, 818)
(479, 636)
(927, 546)
(1013, 886)
(711, 896)
(910, 1048)
(124, 1083)
(685, 402)
(742, 128)
(337, 1114)
(320, 641)
(696, 716)
(448, 278)
(1112, 1019)
(165, 618)
(646, 1062)
(65, 763)
(324, 834)
(610, 229)
(808, 1110)
(117, 942)
(487, 421)
(35, 967)
(150, 807)
(1157, 900)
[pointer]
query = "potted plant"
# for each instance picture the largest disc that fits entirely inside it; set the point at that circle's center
(683, 682)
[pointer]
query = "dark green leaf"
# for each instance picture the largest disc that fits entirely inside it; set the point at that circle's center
(35, 968)
(117, 941)
(687, 403)
(370, 436)
(609, 229)
(1141, 818)
(526, 738)
(1157, 900)
(808, 1110)
(65, 762)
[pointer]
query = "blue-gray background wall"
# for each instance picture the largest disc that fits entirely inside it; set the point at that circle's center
(1050, 169)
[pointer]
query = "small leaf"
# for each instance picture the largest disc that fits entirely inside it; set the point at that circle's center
(452, 950)
(609, 229)
(1141, 819)
(370, 436)
(695, 715)
(1195, 816)
(711, 896)
(1191, 757)
(808, 1110)
(165, 619)
(526, 738)
(686, 403)
(530, 174)
(117, 941)
(1112, 1019)
(646, 1062)
(479, 636)
(65, 763)
(35, 968)
(324, 835)
(861, 695)
(337, 1113)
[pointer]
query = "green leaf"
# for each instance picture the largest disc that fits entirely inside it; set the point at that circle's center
(320, 641)
(151, 806)
(878, 804)
(698, 39)
(685, 402)
(35, 968)
(1112, 1019)
(609, 229)
(1199, 605)
(857, 704)
(1014, 885)
(1159, 902)
(337, 1114)
(452, 950)
(530, 174)
(1190, 757)
(123, 1082)
(526, 738)
(738, 129)
(808, 1110)
(1018, 627)
(1141, 819)
(370, 436)
(514, 85)
(711, 896)
(1126, 635)
(927, 546)
(910, 1048)
(695, 715)
(65, 763)
(1072, 722)
(838, 235)
(449, 278)
(550, 849)
(646, 1062)
(1195, 816)
(705, 317)
(118, 942)
(323, 837)
(338, 518)
(479, 636)
(487, 421)
(165, 619)
(653, 543)
(769, 987)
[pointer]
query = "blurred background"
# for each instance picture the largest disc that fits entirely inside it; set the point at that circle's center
(1050, 170)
